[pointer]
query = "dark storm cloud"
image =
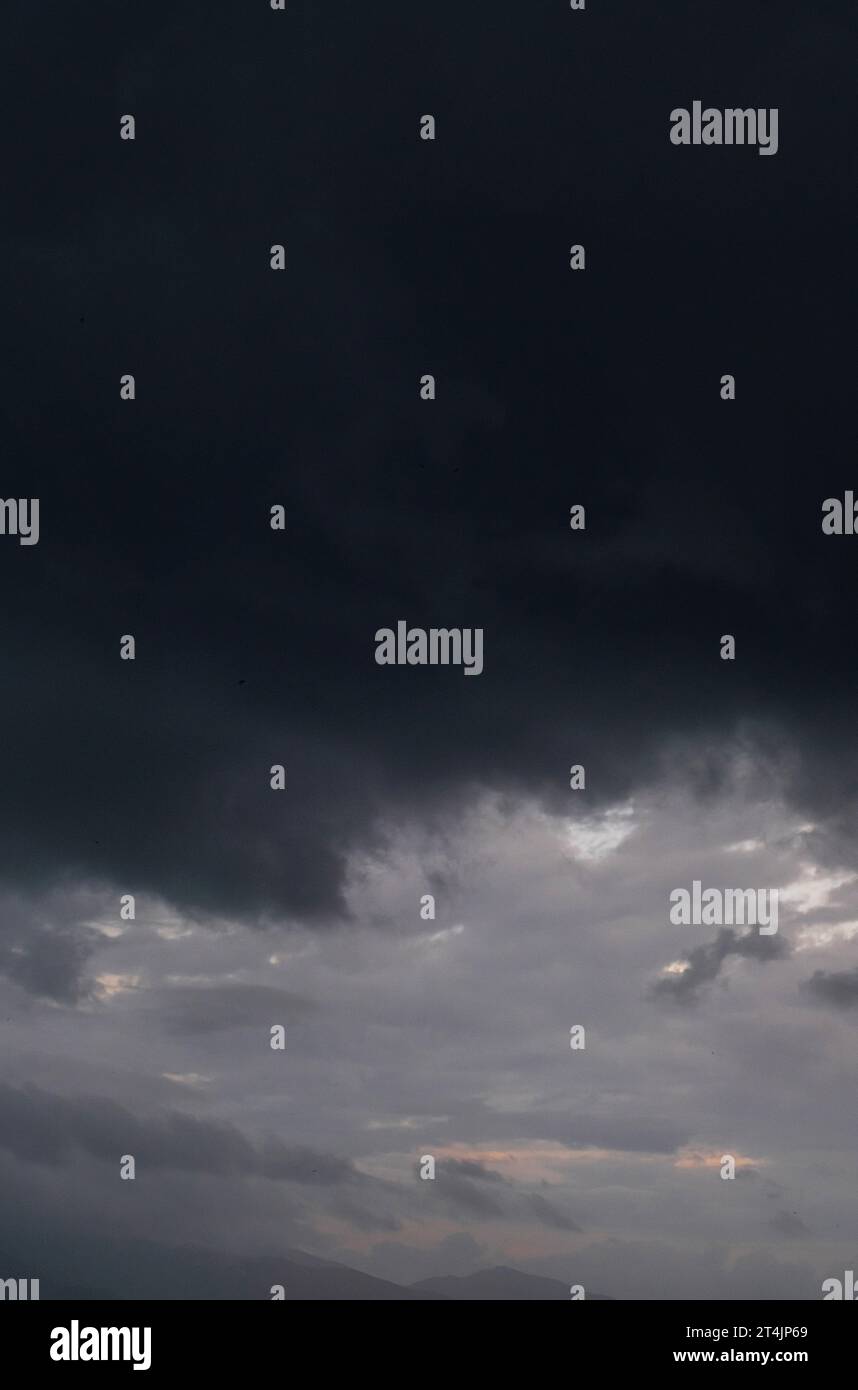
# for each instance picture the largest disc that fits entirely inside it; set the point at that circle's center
(46, 1128)
(256, 648)
(460, 1180)
(463, 1183)
(550, 1214)
(838, 988)
(704, 963)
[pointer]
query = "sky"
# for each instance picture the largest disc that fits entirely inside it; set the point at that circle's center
(405, 1036)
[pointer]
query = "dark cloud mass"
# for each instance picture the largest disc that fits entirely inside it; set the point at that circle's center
(44, 1129)
(256, 647)
(704, 962)
(838, 988)
(411, 1034)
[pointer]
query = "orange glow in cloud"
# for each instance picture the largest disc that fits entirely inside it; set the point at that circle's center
(712, 1158)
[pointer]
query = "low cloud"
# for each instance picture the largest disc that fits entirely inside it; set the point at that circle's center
(703, 964)
(838, 988)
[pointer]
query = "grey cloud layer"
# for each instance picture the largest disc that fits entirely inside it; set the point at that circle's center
(452, 1038)
(256, 648)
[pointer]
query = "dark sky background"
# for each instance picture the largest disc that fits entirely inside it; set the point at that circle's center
(256, 647)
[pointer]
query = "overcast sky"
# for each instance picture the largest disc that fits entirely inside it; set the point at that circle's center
(254, 907)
